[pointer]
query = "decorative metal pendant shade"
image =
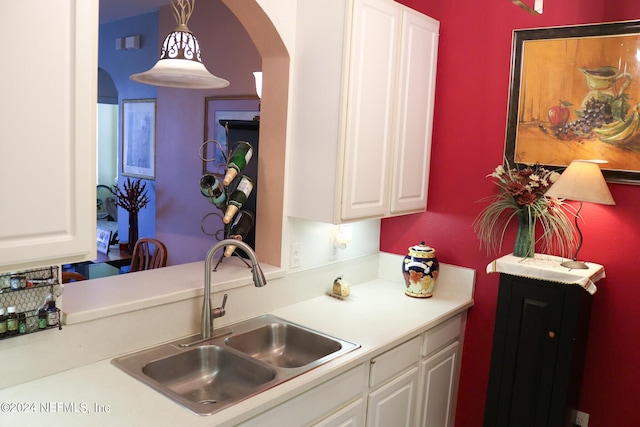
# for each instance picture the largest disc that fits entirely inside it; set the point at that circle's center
(180, 64)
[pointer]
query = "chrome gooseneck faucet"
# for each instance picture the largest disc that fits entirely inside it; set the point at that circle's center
(258, 280)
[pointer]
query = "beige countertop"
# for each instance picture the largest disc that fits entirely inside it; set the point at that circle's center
(377, 315)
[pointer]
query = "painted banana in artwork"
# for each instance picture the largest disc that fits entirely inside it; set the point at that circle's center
(621, 132)
(611, 128)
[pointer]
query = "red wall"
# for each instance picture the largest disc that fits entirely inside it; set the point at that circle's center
(468, 141)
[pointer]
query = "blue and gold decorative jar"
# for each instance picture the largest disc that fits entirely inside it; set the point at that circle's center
(420, 270)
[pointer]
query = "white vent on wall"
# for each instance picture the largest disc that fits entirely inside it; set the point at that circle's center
(128, 43)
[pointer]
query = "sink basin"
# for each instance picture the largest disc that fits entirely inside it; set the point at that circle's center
(240, 361)
(284, 345)
(208, 374)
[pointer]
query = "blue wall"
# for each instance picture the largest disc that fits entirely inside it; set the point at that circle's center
(120, 64)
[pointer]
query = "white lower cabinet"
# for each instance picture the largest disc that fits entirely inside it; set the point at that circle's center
(412, 384)
(393, 404)
(393, 385)
(439, 373)
(438, 382)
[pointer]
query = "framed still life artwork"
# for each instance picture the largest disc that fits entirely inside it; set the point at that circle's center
(214, 149)
(575, 94)
(139, 138)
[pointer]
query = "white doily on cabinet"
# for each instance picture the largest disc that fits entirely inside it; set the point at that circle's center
(547, 267)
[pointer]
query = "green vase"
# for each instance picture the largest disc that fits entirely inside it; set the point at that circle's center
(525, 238)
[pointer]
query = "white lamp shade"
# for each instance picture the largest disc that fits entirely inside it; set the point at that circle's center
(180, 73)
(180, 64)
(582, 181)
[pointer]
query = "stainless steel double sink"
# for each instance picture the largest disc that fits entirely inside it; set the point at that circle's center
(240, 361)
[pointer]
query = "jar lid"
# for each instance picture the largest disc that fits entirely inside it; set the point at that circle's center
(11, 309)
(422, 251)
(1, 311)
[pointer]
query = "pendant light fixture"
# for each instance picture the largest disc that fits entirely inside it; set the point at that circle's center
(180, 64)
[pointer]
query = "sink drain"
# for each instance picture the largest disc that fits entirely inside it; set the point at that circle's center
(208, 402)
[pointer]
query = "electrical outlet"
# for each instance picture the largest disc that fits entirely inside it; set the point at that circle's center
(296, 255)
(333, 251)
(582, 419)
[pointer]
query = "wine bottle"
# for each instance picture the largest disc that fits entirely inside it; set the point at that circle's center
(242, 153)
(212, 189)
(238, 198)
(239, 229)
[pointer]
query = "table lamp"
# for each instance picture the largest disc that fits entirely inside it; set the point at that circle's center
(582, 181)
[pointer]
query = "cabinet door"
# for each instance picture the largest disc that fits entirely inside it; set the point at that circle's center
(370, 109)
(349, 416)
(525, 350)
(439, 388)
(393, 404)
(47, 123)
(414, 120)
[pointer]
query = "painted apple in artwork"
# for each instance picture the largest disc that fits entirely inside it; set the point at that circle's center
(559, 114)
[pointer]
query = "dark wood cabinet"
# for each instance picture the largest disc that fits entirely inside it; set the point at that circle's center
(538, 351)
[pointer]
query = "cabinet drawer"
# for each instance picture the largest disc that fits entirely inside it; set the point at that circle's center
(441, 335)
(315, 403)
(394, 361)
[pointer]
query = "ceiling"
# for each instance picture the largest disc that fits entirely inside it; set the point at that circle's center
(111, 10)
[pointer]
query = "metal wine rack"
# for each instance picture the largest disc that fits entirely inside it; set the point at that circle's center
(236, 131)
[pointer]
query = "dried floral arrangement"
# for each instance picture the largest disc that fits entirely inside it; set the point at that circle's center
(522, 197)
(133, 196)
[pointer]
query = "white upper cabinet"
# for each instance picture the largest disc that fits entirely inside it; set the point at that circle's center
(364, 86)
(369, 122)
(47, 122)
(414, 113)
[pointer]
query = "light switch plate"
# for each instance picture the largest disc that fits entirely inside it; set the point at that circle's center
(296, 255)
(582, 419)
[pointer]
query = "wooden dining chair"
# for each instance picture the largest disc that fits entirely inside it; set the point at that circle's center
(72, 276)
(148, 253)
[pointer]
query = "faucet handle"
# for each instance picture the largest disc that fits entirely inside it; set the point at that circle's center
(220, 311)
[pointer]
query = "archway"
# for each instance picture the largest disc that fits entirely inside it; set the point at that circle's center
(273, 127)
